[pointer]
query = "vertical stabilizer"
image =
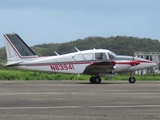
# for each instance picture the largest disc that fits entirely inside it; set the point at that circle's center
(16, 48)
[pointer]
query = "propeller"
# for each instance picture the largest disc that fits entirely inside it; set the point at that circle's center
(134, 62)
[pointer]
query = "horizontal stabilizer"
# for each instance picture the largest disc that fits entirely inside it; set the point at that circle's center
(13, 63)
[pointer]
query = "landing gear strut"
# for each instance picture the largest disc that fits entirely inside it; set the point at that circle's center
(95, 79)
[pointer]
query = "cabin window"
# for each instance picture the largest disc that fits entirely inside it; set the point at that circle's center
(88, 56)
(100, 56)
(78, 57)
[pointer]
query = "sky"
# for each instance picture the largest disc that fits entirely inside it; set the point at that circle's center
(59, 21)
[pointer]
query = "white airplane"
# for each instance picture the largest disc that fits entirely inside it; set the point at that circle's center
(97, 62)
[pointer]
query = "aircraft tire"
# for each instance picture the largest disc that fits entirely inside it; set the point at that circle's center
(91, 79)
(97, 80)
(132, 80)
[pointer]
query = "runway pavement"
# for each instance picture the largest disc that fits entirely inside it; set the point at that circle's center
(79, 100)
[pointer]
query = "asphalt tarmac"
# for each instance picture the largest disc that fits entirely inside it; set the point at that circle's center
(79, 100)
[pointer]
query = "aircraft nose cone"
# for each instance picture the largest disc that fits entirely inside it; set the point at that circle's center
(153, 64)
(145, 63)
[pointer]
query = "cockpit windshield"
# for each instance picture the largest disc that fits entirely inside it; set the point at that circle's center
(111, 54)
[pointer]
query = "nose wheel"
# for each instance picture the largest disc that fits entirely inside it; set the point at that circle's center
(95, 80)
(132, 79)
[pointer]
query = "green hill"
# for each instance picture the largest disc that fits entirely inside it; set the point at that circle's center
(120, 45)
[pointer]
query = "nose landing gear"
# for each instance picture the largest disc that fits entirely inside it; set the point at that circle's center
(132, 79)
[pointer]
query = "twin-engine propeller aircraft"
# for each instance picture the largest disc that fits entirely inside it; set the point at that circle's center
(97, 62)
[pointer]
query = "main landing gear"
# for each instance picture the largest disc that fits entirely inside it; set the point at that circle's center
(95, 79)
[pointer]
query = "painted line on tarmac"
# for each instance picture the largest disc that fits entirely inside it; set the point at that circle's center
(71, 107)
(54, 107)
(74, 93)
(129, 106)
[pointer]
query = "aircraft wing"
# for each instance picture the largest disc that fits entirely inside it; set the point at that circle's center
(100, 67)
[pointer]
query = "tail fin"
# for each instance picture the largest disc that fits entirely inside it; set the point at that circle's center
(16, 49)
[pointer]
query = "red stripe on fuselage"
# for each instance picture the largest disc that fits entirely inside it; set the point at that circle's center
(74, 63)
(47, 64)
(140, 61)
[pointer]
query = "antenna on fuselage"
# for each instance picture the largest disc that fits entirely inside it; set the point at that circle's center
(56, 53)
(77, 49)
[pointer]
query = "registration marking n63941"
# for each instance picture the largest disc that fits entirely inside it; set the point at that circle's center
(61, 67)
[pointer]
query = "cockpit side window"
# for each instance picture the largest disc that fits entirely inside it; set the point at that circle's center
(111, 55)
(100, 56)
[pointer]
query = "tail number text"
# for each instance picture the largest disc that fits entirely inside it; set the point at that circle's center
(62, 67)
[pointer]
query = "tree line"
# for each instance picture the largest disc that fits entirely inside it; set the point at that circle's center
(123, 45)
